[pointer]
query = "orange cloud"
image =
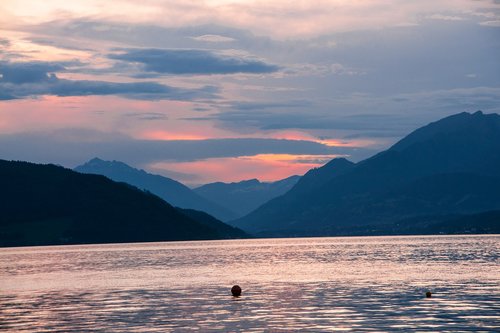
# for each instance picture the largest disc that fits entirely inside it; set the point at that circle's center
(51, 112)
(265, 167)
(298, 135)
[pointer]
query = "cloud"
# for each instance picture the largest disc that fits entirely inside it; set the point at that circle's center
(72, 146)
(60, 42)
(165, 61)
(266, 167)
(191, 161)
(4, 42)
(495, 23)
(277, 18)
(28, 72)
(445, 17)
(147, 115)
(269, 105)
(358, 115)
(213, 39)
(69, 33)
(303, 120)
(323, 70)
(28, 79)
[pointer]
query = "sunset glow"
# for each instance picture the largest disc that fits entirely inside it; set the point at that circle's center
(274, 166)
(227, 90)
(249, 165)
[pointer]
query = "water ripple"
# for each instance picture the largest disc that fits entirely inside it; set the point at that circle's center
(315, 285)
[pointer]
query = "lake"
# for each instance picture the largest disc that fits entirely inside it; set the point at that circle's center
(359, 284)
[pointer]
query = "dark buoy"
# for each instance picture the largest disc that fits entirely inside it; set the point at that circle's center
(428, 294)
(236, 290)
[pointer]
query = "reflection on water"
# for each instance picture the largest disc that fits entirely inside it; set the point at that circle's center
(316, 284)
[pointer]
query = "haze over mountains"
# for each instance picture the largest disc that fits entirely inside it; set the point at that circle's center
(225, 201)
(450, 167)
(168, 189)
(245, 196)
(442, 178)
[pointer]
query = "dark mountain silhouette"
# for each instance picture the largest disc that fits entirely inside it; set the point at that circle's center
(245, 196)
(483, 223)
(168, 189)
(48, 204)
(220, 227)
(315, 178)
(448, 167)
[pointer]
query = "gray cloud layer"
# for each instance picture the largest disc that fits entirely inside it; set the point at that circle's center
(141, 35)
(408, 76)
(165, 61)
(73, 146)
(358, 114)
(27, 79)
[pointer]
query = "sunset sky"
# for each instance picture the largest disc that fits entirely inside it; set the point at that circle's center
(204, 91)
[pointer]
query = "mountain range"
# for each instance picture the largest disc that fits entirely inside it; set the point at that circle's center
(48, 204)
(449, 167)
(441, 178)
(245, 196)
(168, 189)
(225, 201)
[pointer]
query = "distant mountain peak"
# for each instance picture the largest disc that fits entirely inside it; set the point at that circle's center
(246, 195)
(450, 166)
(253, 181)
(96, 165)
(318, 176)
(463, 122)
(95, 160)
(339, 161)
(168, 189)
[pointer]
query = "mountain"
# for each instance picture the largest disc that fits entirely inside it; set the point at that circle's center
(451, 166)
(168, 189)
(220, 227)
(316, 177)
(245, 196)
(484, 223)
(48, 204)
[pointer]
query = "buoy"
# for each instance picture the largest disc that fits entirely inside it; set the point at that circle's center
(428, 294)
(236, 290)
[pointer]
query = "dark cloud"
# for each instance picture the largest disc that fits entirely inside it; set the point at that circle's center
(165, 61)
(420, 73)
(269, 105)
(21, 80)
(356, 115)
(4, 42)
(431, 56)
(147, 115)
(201, 109)
(269, 120)
(59, 42)
(28, 72)
(73, 146)
(4, 95)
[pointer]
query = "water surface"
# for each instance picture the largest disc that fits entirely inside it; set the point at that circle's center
(360, 284)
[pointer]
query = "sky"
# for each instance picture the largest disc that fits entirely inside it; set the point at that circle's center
(204, 91)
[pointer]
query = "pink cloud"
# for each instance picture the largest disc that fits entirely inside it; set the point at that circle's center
(102, 113)
(265, 167)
